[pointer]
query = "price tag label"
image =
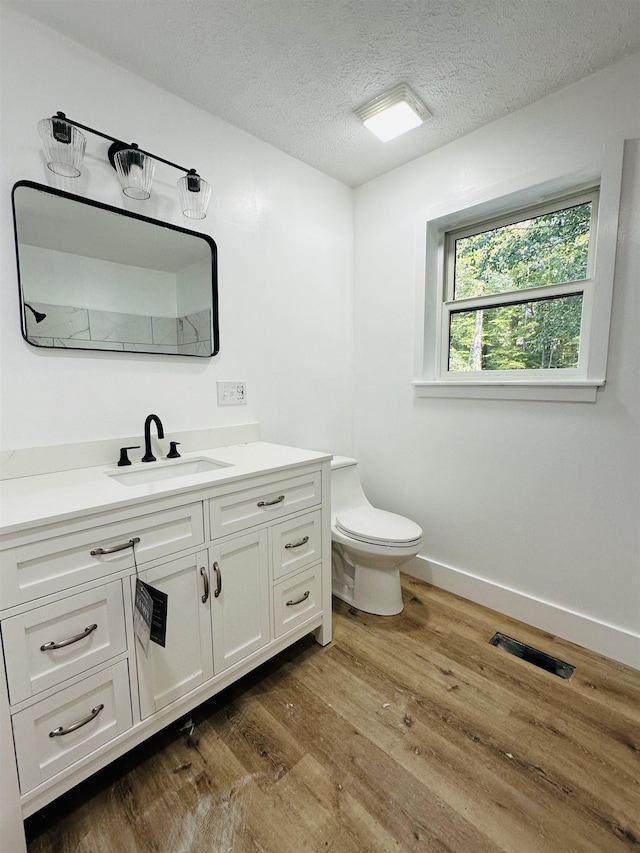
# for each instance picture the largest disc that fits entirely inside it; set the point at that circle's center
(151, 611)
(142, 615)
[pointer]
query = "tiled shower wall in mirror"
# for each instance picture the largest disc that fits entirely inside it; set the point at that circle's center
(69, 327)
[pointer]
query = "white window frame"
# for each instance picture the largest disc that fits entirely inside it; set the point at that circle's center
(434, 302)
(583, 287)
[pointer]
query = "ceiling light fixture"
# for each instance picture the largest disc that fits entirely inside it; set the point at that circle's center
(393, 113)
(64, 146)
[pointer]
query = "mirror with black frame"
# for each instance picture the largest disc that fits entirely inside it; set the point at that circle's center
(95, 277)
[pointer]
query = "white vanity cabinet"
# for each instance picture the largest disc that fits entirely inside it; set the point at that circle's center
(245, 563)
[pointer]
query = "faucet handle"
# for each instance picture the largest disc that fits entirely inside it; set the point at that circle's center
(124, 459)
(173, 453)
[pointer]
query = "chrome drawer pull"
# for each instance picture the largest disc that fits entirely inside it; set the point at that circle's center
(205, 578)
(61, 730)
(297, 544)
(98, 551)
(216, 569)
(292, 603)
(271, 503)
(47, 647)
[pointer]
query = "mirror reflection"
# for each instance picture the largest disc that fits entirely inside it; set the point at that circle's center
(95, 277)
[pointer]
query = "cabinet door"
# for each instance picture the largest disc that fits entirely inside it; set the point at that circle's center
(165, 673)
(240, 612)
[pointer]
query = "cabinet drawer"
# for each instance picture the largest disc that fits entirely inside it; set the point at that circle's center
(59, 562)
(88, 629)
(296, 543)
(297, 599)
(238, 510)
(92, 712)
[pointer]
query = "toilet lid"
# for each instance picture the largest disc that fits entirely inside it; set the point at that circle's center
(368, 524)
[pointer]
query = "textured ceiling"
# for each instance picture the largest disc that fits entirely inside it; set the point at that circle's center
(291, 71)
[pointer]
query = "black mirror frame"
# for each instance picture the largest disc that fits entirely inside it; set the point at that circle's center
(215, 340)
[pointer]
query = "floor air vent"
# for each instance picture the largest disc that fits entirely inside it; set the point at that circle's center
(531, 655)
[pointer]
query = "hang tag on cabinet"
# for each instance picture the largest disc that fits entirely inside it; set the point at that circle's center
(159, 615)
(151, 612)
(142, 615)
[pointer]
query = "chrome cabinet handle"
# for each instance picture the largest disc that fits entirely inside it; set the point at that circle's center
(297, 544)
(98, 551)
(62, 730)
(216, 569)
(47, 647)
(205, 578)
(292, 603)
(273, 502)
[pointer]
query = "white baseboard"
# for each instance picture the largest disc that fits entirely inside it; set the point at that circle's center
(608, 640)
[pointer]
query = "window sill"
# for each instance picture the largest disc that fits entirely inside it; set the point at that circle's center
(582, 391)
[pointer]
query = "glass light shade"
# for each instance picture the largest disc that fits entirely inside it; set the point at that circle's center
(135, 171)
(64, 146)
(194, 195)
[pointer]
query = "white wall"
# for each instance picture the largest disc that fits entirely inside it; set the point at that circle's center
(285, 246)
(60, 278)
(535, 500)
(191, 296)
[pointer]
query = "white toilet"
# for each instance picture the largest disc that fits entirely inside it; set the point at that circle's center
(368, 545)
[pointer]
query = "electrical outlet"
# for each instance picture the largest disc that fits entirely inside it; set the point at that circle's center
(232, 393)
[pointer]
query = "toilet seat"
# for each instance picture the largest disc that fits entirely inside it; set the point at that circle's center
(378, 527)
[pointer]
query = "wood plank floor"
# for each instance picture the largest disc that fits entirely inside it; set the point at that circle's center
(406, 733)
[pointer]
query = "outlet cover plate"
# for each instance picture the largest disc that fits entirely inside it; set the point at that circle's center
(232, 393)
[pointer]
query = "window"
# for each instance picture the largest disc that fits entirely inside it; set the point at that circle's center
(516, 289)
(518, 292)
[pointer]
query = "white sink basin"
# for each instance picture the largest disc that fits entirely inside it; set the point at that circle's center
(154, 473)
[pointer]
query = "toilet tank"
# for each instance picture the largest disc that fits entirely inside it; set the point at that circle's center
(346, 489)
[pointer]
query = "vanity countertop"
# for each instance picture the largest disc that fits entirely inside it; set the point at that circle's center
(51, 497)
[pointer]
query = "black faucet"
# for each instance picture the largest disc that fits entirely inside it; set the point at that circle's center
(148, 455)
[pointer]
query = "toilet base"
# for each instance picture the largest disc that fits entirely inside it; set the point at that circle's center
(373, 589)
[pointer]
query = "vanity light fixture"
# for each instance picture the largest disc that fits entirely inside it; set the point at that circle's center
(393, 113)
(64, 146)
